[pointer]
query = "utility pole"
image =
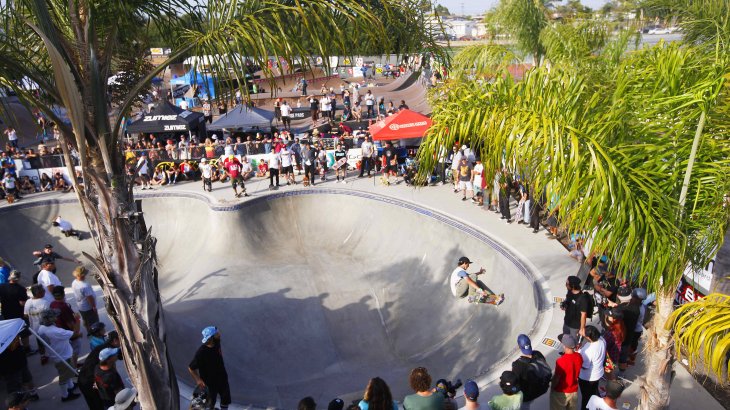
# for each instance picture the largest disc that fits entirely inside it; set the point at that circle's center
(462, 10)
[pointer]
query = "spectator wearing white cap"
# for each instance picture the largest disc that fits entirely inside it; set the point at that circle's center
(206, 172)
(125, 399)
(209, 371)
(106, 378)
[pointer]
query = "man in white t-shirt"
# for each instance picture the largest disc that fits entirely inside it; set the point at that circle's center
(476, 180)
(143, 170)
(12, 136)
(206, 172)
(32, 311)
(85, 298)
(326, 106)
(246, 169)
(455, 161)
(370, 104)
(594, 358)
(48, 279)
(66, 228)
(286, 115)
(59, 340)
(287, 164)
(368, 150)
(464, 284)
(614, 389)
(274, 165)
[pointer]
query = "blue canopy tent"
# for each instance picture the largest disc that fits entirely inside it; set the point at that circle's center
(242, 118)
(181, 85)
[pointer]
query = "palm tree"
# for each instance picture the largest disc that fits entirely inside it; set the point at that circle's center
(523, 20)
(635, 153)
(68, 48)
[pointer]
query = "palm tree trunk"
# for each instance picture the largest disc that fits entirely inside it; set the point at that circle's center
(657, 379)
(126, 264)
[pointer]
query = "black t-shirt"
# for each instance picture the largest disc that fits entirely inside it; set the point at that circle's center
(48, 257)
(12, 361)
(611, 285)
(108, 383)
(314, 104)
(631, 316)
(86, 373)
(11, 294)
(390, 154)
(519, 368)
(574, 305)
(208, 361)
(340, 154)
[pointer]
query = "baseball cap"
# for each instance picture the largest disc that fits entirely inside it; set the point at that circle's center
(464, 260)
(525, 344)
(508, 381)
(639, 293)
(48, 246)
(574, 282)
(108, 352)
(615, 313)
(336, 404)
(113, 335)
(203, 161)
(124, 398)
(614, 389)
(471, 390)
(58, 291)
(14, 275)
(568, 341)
(209, 332)
(17, 398)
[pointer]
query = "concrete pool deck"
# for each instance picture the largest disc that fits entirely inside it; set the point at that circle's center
(546, 258)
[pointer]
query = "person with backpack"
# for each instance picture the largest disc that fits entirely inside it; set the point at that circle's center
(533, 372)
(578, 307)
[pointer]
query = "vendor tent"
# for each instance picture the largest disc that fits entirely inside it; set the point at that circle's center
(8, 330)
(401, 125)
(243, 118)
(167, 118)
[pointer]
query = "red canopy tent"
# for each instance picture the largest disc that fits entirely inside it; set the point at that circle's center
(401, 125)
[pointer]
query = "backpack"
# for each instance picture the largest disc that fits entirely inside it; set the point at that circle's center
(536, 378)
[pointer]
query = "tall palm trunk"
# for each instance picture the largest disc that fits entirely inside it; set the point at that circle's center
(657, 378)
(126, 264)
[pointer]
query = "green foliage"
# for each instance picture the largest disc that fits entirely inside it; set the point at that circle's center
(523, 20)
(573, 43)
(702, 333)
(441, 10)
(704, 22)
(611, 146)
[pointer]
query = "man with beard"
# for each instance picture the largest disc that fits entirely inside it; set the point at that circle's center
(208, 369)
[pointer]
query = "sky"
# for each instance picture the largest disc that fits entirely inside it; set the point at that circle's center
(473, 7)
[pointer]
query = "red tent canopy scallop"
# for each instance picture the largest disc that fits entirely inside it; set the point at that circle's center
(401, 125)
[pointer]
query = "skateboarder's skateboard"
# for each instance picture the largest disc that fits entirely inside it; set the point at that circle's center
(491, 299)
(339, 163)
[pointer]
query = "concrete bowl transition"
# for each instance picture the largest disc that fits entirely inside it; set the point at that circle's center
(317, 291)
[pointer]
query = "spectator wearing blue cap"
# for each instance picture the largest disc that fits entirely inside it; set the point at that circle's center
(532, 370)
(511, 397)
(209, 371)
(471, 395)
(106, 378)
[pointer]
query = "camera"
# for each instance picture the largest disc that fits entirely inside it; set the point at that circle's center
(448, 388)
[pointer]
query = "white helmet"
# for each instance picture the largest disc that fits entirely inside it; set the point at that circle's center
(203, 161)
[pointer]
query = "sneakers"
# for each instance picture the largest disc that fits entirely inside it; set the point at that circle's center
(463, 199)
(71, 396)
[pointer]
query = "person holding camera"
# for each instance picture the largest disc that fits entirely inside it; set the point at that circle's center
(208, 369)
(576, 306)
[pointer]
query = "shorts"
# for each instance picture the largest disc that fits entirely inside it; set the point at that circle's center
(391, 168)
(287, 170)
(90, 316)
(465, 185)
(478, 191)
(235, 181)
(64, 372)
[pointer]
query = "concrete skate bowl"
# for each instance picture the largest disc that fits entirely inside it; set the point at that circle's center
(317, 291)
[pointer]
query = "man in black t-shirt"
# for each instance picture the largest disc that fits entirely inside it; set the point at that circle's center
(390, 162)
(576, 308)
(12, 299)
(106, 378)
(340, 155)
(86, 373)
(48, 255)
(208, 369)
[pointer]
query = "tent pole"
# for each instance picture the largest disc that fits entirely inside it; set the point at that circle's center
(40, 339)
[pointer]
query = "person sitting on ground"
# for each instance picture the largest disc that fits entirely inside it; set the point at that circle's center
(172, 174)
(59, 183)
(187, 171)
(613, 392)
(377, 396)
(263, 169)
(159, 177)
(424, 398)
(46, 183)
(464, 284)
(511, 397)
(26, 185)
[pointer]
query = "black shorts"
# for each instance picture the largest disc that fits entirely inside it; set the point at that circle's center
(287, 170)
(391, 168)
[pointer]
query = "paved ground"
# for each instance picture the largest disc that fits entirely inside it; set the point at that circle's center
(323, 291)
